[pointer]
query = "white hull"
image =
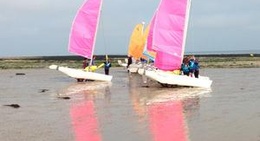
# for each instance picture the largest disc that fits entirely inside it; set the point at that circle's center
(174, 79)
(121, 63)
(133, 68)
(141, 71)
(81, 74)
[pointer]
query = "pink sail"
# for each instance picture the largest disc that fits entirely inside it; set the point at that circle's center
(167, 62)
(149, 44)
(169, 33)
(84, 28)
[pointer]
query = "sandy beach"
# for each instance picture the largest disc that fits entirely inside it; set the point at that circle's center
(56, 107)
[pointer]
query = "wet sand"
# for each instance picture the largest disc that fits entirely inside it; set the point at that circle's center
(55, 107)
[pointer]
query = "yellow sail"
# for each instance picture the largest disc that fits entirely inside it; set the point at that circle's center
(146, 32)
(136, 44)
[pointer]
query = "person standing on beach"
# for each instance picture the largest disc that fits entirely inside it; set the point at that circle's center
(194, 67)
(85, 63)
(129, 61)
(185, 66)
(93, 63)
(107, 66)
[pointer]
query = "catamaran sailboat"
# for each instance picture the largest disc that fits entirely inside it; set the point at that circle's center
(167, 37)
(136, 48)
(82, 40)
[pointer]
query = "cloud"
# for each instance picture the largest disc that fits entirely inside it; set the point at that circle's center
(43, 25)
(24, 5)
(220, 21)
(225, 14)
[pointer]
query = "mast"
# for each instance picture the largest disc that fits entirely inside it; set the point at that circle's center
(94, 44)
(143, 23)
(186, 27)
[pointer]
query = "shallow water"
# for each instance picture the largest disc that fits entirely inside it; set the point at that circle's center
(55, 107)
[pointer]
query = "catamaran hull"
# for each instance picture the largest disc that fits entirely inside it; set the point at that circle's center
(80, 74)
(173, 79)
(133, 68)
(120, 63)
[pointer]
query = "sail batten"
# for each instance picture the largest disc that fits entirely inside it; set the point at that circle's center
(84, 28)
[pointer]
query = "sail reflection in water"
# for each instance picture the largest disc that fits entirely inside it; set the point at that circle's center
(167, 122)
(84, 121)
(166, 110)
(82, 112)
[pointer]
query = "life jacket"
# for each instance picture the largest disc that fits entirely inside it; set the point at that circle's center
(191, 64)
(107, 65)
(196, 65)
(184, 68)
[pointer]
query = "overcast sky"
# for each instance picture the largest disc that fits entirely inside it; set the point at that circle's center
(41, 27)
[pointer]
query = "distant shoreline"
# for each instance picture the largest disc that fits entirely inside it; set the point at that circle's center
(74, 57)
(206, 61)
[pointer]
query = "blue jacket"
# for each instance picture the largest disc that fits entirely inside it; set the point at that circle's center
(193, 65)
(184, 68)
(107, 65)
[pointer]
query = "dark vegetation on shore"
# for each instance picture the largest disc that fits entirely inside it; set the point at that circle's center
(206, 61)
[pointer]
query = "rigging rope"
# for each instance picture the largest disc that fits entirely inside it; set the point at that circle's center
(191, 30)
(103, 34)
